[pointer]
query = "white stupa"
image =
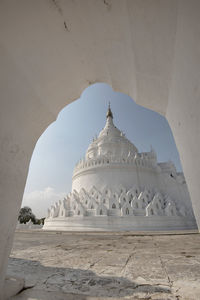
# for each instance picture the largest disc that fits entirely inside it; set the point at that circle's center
(117, 188)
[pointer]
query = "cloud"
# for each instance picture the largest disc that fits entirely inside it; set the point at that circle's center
(40, 201)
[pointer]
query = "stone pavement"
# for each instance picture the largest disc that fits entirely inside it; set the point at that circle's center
(88, 266)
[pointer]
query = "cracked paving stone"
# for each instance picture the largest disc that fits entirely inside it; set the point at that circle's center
(91, 266)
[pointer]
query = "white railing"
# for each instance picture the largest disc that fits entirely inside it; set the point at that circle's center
(98, 162)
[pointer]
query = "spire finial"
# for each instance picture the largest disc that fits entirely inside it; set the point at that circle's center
(109, 112)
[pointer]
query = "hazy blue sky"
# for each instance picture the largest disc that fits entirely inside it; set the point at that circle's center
(65, 141)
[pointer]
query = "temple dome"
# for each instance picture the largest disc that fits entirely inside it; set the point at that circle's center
(110, 142)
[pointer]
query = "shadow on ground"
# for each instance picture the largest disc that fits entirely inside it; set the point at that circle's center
(49, 282)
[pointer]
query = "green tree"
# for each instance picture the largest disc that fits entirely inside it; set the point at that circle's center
(25, 214)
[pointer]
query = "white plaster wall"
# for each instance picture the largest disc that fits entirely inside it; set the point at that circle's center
(148, 178)
(50, 51)
(112, 223)
(178, 192)
(113, 177)
(129, 177)
(105, 177)
(183, 108)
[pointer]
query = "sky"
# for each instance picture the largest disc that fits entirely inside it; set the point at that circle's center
(65, 141)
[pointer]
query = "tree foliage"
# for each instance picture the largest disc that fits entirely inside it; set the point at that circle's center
(25, 214)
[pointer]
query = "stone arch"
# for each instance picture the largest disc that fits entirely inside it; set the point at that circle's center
(104, 200)
(136, 203)
(126, 210)
(52, 211)
(115, 196)
(79, 211)
(147, 194)
(143, 199)
(123, 198)
(92, 204)
(152, 208)
(167, 97)
(158, 204)
(137, 207)
(63, 212)
(93, 192)
(106, 192)
(101, 210)
(132, 193)
(113, 204)
(158, 198)
(170, 209)
(121, 189)
(56, 210)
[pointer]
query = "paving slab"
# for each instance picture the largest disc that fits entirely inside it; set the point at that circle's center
(68, 265)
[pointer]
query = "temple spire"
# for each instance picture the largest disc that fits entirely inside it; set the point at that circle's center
(109, 112)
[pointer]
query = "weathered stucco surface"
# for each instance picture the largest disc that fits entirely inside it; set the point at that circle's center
(51, 50)
(106, 266)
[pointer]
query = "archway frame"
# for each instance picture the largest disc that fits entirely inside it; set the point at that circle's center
(37, 53)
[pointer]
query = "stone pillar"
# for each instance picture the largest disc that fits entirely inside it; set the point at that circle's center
(183, 111)
(22, 120)
(14, 168)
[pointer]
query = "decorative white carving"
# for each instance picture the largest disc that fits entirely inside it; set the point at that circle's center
(122, 204)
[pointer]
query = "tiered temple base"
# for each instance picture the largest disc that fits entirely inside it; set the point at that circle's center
(111, 223)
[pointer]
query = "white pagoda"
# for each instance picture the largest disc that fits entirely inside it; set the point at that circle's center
(117, 188)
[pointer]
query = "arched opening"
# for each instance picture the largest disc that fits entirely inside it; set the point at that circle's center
(127, 212)
(101, 212)
(155, 71)
(114, 206)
